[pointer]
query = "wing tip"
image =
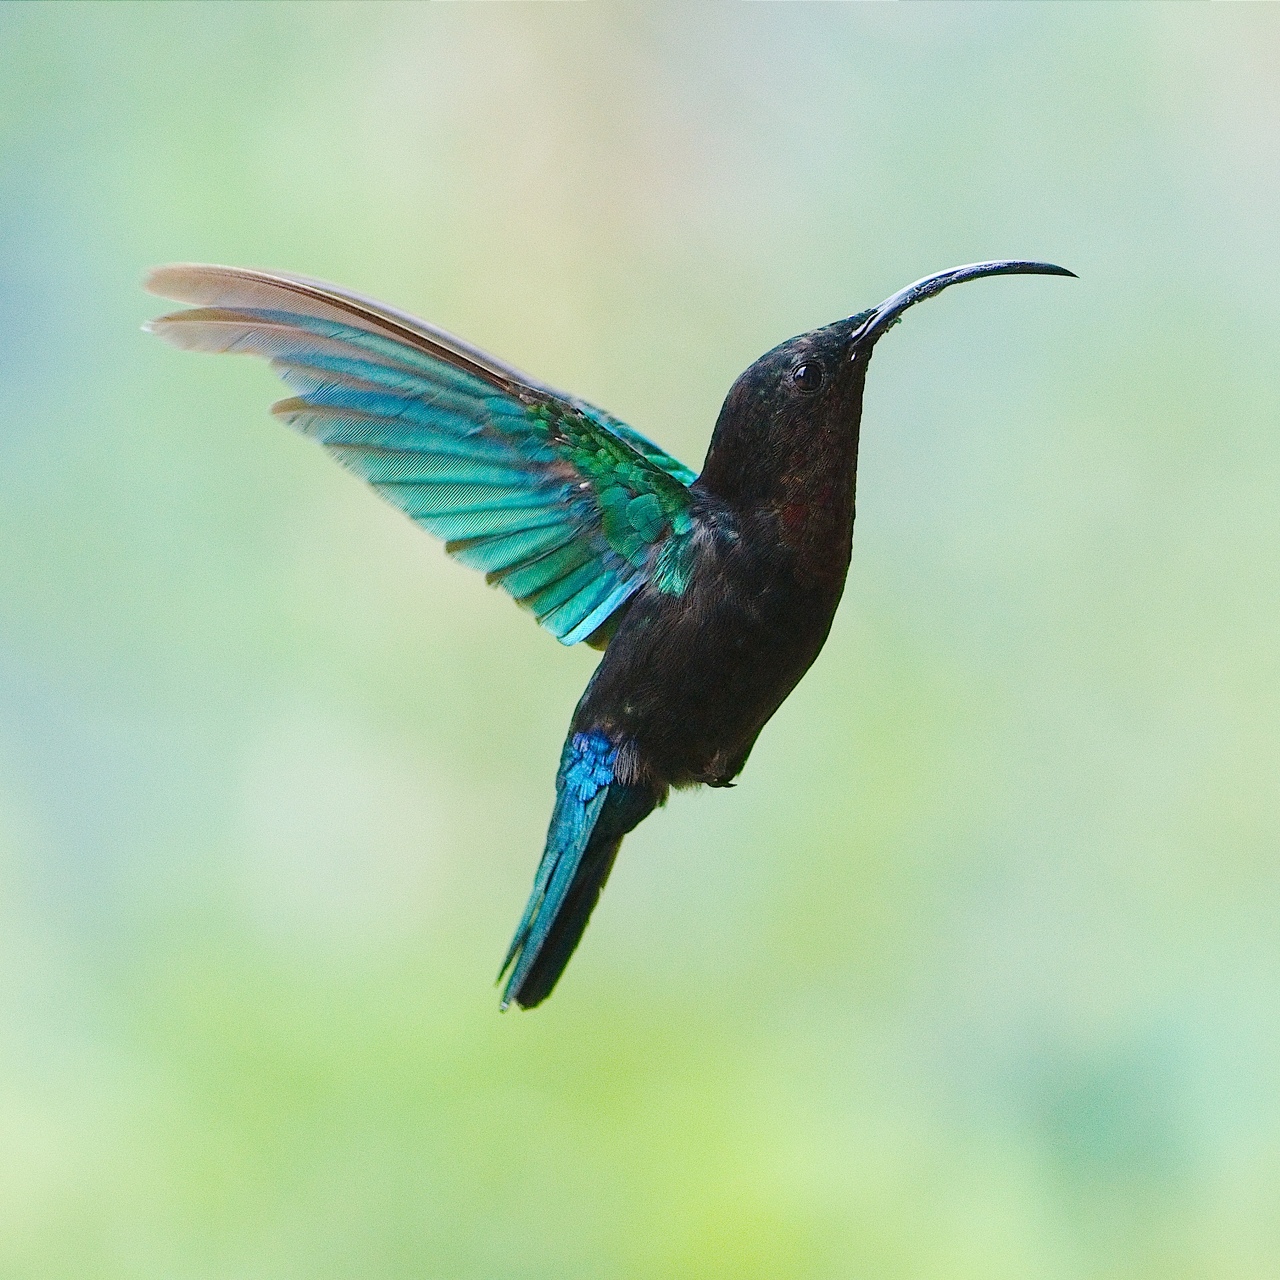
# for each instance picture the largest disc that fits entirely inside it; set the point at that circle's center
(190, 281)
(289, 407)
(160, 280)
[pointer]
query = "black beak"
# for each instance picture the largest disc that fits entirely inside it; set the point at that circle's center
(888, 312)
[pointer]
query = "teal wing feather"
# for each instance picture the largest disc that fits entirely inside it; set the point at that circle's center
(563, 506)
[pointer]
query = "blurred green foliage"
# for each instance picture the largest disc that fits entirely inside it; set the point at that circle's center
(973, 976)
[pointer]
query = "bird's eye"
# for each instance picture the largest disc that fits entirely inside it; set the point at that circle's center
(807, 377)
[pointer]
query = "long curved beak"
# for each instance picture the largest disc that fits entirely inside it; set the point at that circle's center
(888, 312)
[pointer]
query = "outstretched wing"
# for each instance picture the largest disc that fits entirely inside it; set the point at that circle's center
(564, 507)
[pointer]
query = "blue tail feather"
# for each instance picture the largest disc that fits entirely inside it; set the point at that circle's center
(593, 812)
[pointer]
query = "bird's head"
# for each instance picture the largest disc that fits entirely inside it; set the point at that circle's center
(806, 394)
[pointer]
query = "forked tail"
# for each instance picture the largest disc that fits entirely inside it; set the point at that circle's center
(592, 814)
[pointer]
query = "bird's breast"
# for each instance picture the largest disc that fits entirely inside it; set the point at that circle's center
(690, 680)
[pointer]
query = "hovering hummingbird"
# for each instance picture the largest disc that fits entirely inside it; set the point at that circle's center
(710, 594)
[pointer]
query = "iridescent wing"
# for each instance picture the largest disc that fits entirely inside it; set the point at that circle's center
(560, 504)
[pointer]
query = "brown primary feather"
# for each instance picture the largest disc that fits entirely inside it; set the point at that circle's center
(232, 288)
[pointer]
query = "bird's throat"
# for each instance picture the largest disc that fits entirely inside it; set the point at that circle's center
(814, 500)
(814, 511)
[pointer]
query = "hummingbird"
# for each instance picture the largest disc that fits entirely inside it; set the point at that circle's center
(710, 594)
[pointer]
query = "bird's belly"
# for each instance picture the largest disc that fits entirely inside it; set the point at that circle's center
(689, 683)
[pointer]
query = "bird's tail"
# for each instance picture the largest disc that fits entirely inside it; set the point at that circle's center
(593, 812)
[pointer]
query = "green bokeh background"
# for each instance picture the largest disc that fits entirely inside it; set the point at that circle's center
(975, 974)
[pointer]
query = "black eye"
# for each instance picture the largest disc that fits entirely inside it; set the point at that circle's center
(807, 377)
